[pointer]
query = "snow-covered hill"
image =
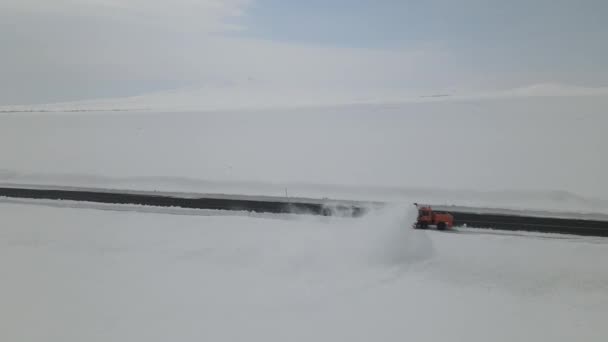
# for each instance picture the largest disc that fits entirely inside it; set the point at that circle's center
(248, 95)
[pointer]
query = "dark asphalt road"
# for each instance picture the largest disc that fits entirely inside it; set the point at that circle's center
(315, 207)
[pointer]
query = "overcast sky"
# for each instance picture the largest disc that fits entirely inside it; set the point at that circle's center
(65, 50)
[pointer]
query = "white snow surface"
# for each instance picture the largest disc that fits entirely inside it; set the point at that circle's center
(90, 275)
(536, 153)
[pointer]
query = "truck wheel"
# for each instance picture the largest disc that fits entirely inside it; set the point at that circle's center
(441, 226)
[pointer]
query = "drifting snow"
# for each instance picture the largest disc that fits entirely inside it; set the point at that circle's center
(88, 275)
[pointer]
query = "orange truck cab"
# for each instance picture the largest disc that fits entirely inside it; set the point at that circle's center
(427, 217)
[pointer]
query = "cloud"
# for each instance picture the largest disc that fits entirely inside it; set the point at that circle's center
(81, 49)
(62, 50)
(68, 50)
(179, 16)
(205, 12)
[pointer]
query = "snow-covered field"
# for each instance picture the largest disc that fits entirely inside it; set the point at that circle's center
(482, 153)
(89, 275)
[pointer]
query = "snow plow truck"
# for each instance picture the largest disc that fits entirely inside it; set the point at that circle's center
(427, 217)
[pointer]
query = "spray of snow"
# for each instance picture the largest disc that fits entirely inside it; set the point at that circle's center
(379, 242)
(385, 237)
